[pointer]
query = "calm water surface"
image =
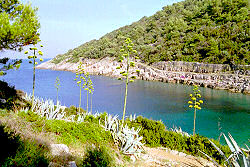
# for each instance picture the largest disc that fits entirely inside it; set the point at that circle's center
(222, 111)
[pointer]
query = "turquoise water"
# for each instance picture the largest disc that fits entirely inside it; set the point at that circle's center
(222, 111)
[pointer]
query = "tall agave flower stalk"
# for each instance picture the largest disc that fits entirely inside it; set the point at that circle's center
(57, 85)
(127, 53)
(80, 80)
(33, 57)
(87, 88)
(195, 102)
(90, 90)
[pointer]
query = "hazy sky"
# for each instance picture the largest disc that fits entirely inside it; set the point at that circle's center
(66, 24)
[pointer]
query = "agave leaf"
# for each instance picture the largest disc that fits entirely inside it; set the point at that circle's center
(235, 163)
(211, 159)
(234, 143)
(247, 147)
(229, 144)
(217, 148)
(230, 156)
(240, 155)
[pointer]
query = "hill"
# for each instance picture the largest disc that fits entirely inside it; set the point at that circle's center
(209, 31)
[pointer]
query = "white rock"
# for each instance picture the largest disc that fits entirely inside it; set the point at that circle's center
(57, 149)
(182, 154)
(72, 164)
(174, 152)
(189, 156)
(132, 158)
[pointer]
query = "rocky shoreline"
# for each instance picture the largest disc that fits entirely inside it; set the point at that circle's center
(205, 75)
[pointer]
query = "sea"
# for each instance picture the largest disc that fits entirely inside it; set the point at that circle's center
(222, 111)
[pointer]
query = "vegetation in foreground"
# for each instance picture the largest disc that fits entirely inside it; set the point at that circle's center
(18, 27)
(91, 135)
(209, 31)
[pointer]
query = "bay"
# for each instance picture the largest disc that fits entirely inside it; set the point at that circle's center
(222, 111)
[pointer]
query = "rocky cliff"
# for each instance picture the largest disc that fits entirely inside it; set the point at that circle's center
(217, 76)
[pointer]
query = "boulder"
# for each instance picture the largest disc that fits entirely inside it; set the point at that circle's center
(59, 149)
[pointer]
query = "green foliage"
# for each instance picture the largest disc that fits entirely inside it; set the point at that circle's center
(7, 64)
(155, 134)
(18, 24)
(70, 132)
(15, 152)
(7, 95)
(98, 156)
(72, 110)
(18, 27)
(209, 31)
(10, 98)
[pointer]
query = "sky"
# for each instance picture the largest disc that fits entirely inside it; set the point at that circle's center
(66, 24)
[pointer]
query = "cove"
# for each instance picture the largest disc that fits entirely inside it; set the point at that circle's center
(222, 111)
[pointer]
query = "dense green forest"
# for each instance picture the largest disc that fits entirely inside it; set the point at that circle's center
(210, 31)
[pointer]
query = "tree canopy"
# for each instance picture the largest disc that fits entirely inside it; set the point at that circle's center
(209, 31)
(19, 26)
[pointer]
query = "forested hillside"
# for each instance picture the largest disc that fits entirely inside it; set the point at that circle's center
(210, 31)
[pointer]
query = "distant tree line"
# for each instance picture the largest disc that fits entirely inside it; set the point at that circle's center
(209, 31)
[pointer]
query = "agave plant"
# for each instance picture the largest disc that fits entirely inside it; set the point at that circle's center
(237, 158)
(46, 108)
(97, 114)
(54, 112)
(80, 118)
(130, 141)
(111, 123)
(179, 130)
(132, 117)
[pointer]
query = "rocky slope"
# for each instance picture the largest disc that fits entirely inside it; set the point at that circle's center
(205, 75)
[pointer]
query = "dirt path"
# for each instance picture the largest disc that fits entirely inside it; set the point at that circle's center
(159, 157)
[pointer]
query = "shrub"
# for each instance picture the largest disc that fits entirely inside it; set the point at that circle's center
(29, 154)
(155, 134)
(15, 152)
(98, 156)
(72, 110)
(69, 132)
(10, 98)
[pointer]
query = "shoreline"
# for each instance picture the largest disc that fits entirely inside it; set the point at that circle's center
(157, 72)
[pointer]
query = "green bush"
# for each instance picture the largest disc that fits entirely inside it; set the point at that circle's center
(16, 152)
(69, 132)
(37, 122)
(155, 134)
(98, 156)
(73, 110)
(9, 97)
